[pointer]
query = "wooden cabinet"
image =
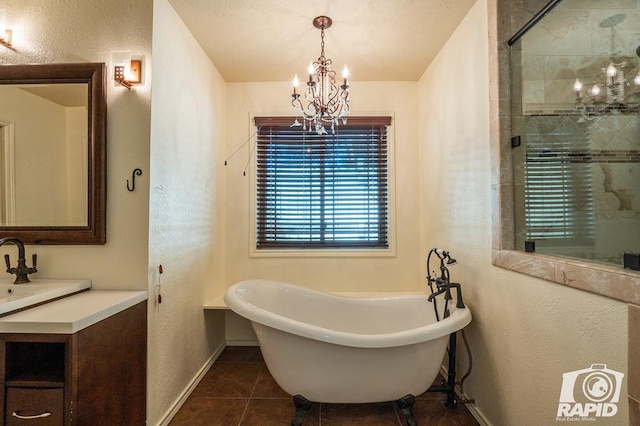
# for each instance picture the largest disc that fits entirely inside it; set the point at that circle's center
(34, 406)
(96, 376)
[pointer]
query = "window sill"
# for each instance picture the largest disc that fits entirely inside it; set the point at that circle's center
(323, 253)
(609, 281)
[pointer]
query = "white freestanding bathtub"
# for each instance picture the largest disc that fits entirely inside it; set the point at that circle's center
(336, 349)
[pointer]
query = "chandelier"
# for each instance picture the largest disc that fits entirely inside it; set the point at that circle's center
(619, 92)
(324, 102)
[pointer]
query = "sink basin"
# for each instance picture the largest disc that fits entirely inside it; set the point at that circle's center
(16, 297)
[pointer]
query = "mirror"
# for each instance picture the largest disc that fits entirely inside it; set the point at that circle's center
(53, 153)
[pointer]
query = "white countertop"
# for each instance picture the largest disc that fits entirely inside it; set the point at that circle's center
(71, 314)
(14, 297)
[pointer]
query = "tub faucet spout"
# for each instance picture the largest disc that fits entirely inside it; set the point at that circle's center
(443, 283)
(445, 288)
(21, 271)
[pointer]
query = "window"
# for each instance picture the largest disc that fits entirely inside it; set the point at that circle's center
(322, 191)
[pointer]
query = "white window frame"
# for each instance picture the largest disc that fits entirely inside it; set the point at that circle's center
(334, 252)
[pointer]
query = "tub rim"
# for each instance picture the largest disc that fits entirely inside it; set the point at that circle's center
(458, 319)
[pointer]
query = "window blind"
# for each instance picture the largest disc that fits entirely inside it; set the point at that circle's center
(558, 190)
(322, 191)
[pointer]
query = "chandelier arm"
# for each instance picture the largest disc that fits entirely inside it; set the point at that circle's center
(324, 101)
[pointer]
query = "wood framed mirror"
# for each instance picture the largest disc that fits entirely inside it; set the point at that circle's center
(53, 124)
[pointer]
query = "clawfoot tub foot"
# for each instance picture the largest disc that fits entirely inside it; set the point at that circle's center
(405, 404)
(302, 406)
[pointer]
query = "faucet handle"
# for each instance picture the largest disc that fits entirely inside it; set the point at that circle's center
(34, 260)
(7, 261)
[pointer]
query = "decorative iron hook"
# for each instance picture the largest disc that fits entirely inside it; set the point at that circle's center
(136, 172)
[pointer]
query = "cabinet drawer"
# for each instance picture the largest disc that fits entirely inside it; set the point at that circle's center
(34, 406)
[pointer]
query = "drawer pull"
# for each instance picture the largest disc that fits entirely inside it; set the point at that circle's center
(37, 416)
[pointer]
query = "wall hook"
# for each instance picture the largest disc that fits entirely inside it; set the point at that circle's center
(136, 172)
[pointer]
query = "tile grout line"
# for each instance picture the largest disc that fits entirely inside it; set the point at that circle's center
(246, 408)
(244, 412)
(255, 385)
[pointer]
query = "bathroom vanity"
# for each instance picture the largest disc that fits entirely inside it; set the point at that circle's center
(80, 360)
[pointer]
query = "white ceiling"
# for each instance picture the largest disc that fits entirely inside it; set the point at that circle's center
(66, 95)
(271, 40)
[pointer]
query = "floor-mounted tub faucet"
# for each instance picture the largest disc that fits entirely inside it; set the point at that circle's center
(443, 282)
(21, 271)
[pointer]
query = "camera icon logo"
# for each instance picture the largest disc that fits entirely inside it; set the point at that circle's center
(592, 391)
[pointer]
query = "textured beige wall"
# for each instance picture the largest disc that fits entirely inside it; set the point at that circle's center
(186, 222)
(76, 159)
(526, 332)
(39, 197)
(186, 232)
(398, 273)
(88, 31)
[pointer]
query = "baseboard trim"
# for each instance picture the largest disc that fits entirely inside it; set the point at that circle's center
(233, 342)
(473, 409)
(192, 385)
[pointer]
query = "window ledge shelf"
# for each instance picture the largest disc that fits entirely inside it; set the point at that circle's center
(216, 303)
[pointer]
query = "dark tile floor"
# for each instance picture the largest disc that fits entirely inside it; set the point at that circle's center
(239, 390)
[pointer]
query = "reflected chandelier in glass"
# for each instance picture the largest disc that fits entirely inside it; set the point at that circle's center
(621, 83)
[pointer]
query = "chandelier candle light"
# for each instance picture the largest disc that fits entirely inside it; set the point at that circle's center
(617, 97)
(326, 102)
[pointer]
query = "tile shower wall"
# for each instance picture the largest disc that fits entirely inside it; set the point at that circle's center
(577, 40)
(611, 144)
(615, 146)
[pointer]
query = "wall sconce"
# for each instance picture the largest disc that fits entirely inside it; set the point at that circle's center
(5, 33)
(126, 71)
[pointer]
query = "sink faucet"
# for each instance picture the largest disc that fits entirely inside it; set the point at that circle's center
(22, 271)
